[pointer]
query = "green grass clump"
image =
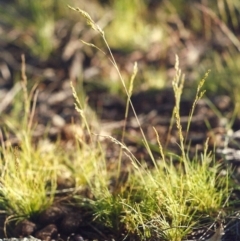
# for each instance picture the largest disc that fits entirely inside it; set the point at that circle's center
(28, 173)
(28, 181)
(169, 200)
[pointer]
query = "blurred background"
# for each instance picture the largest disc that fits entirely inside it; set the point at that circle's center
(204, 34)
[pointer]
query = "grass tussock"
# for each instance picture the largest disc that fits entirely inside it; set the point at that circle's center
(28, 174)
(167, 201)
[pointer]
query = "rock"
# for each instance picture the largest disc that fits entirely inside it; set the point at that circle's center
(48, 233)
(77, 237)
(70, 223)
(24, 228)
(51, 215)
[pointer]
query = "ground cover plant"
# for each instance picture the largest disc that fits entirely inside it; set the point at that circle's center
(134, 181)
(146, 205)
